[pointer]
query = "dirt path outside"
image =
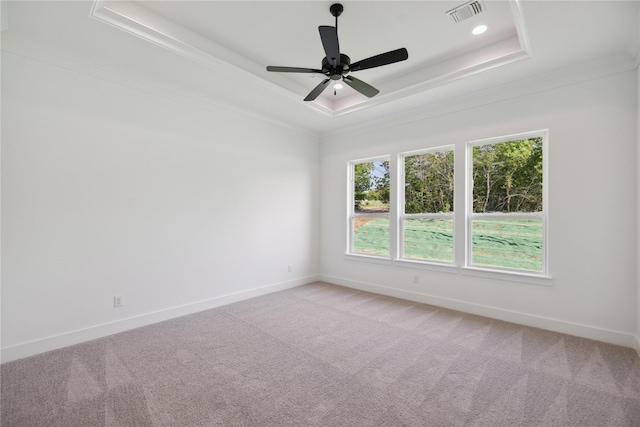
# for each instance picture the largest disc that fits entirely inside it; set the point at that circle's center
(359, 222)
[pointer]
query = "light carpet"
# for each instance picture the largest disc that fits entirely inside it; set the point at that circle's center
(323, 355)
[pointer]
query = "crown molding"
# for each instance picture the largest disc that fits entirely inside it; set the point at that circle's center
(4, 15)
(132, 18)
(633, 42)
(77, 66)
(611, 65)
(127, 16)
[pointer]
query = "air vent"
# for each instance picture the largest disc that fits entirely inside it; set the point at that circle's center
(466, 11)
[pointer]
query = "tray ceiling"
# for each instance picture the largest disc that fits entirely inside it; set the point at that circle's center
(246, 36)
(213, 54)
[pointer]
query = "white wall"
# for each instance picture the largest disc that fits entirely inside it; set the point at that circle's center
(592, 163)
(111, 191)
(637, 340)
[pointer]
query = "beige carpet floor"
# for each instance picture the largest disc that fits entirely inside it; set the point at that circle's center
(322, 355)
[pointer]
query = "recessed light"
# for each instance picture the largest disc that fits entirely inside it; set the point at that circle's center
(479, 30)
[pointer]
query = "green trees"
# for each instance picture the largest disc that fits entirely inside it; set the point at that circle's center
(429, 183)
(507, 177)
(382, 182)
(371, 182)
(361, 182)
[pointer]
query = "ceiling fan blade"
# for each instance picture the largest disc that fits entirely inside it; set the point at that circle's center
(379, 60)
(292, 69)
(317, 90)
(364, 88)
(329, 37)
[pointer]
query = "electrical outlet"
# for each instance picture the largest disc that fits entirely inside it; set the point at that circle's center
(117, 301)
(416, 279)
(290, 268)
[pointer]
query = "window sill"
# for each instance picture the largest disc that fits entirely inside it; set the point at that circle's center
(534, 279)
(368, 258)
(509, 276)
(426, 265)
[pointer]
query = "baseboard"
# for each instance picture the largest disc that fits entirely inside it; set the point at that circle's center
(636, 344)
(31, 348)
(584, 331)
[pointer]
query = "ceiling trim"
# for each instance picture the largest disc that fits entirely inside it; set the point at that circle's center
(438, 81)
(77, 66)
(4, 15)
(521, 31)
(579, 73)
(129, 17)
(633, 43)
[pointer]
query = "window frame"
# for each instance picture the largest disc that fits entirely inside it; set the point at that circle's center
(402, 215)
(462, 220)
(352, 214)
(470, 215)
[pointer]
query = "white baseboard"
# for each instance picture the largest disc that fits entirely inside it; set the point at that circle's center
(31, 348)
(636, 344)
(584, 331)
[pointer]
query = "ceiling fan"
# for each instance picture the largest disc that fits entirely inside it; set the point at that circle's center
(337, 66)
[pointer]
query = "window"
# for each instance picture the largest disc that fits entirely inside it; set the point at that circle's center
(426, 215)
(405, 216)
(505, 207)
(369, 211)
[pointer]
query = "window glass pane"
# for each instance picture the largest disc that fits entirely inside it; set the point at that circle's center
(428, 182)
(371, 187)
(507, 176)
(507, 242)
(371, 235)
(428, 238)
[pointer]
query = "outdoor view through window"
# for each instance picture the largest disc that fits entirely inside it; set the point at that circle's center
(427, 223)
(507, 218)
(370, 222)
(504, 215)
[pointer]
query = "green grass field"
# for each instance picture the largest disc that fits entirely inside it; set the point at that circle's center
(372, 238)
(430, 239)
(510, 243)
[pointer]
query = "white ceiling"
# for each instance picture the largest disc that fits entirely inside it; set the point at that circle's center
(217, 51)
(286, 33)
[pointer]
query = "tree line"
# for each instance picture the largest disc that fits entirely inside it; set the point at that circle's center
(507, 177)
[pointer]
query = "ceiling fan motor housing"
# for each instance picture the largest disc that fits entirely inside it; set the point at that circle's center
(336, 73)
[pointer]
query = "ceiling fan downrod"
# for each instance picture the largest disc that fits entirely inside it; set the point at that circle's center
(336, 10)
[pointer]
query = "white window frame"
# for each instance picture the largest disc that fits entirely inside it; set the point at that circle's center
(352, 214)
(403, 215)
(470, 215)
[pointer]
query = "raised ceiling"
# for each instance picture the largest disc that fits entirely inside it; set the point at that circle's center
(214, 53)
(250, 35)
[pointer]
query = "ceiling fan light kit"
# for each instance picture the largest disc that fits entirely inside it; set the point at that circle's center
(337, 66)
